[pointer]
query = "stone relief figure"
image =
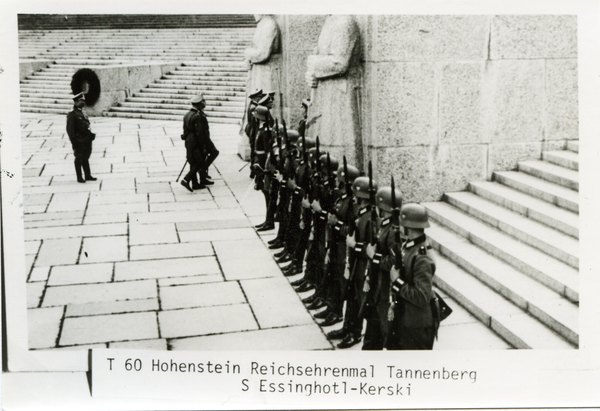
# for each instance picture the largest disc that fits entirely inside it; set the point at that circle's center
(334, 73)
(264, 73)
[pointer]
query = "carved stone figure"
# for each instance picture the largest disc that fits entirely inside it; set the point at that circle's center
(334, 73)
(264, 59)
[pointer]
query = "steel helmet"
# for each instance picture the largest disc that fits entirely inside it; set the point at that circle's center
(384, 198)
(414, 216)
(352, 174)
(360, 187)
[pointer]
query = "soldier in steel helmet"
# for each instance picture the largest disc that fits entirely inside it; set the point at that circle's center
(81, 137)
(382, 262)
(262, 148)
(358, 261)
(412, 319)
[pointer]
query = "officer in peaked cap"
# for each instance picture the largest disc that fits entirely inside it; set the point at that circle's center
(81, 137)
(413, 326)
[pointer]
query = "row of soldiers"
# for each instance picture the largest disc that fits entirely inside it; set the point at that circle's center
(360, 244)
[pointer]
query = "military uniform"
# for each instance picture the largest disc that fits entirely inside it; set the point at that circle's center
(196, 136)
(413, 327)
(81, 137)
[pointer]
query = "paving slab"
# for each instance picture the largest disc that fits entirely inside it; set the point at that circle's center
(75, 232)
(32, 247)
(39, 274)
(68, 202)
(104, 249)
(153, 252)
(217, 235)
(52, 223)
(268, 296)
(108, 328)
(90, 293)
(201, 295)
(152, 234)
(63, 251)
(245, 259)
(114, 307)
(294, 338)
(107, 197)
(157, 345)
(213, 225)
(172, 267)
(81, 274)
(116, 208)
(194, 279)
(105, 218)
(43, 326)
(34, 291)
(183, 206)
(161, 197)
(186, 216)
(54, 216)
(206, 320)
(37, 199)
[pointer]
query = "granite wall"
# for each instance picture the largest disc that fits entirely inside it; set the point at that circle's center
(449, 99)
(117, 82)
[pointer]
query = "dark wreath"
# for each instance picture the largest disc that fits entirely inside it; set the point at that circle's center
(86, 81)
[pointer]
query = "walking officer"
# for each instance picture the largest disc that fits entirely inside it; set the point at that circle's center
(81, 136)
(196, 135)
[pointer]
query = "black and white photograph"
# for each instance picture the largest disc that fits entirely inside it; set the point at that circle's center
(309, 208)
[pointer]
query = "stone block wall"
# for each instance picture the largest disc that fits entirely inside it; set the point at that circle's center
(117, 82)
(450, 99)
(29, 66)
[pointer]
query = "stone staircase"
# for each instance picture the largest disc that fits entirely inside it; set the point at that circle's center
(211, 62)
(508, 251)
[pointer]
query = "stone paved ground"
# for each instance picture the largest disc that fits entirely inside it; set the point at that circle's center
(134, 260)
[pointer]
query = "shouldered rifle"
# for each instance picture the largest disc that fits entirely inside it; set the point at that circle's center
(348, 187)
(305, 177)
(395, 250)
(279, 146)
(373, 225)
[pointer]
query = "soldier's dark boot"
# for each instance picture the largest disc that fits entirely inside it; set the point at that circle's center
(331, 319)
(349, 341)
(337, 334)
(80, 178)
(87, 171)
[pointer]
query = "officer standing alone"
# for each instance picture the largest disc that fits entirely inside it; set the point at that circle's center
(81, 136)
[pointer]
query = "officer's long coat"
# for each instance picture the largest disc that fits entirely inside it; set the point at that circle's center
(78, 128)
(196, 133)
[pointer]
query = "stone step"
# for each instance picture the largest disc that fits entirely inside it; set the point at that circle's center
(46, 93)
(545, 305)
(550, 172)
(174, 112)
(544, 238)
(46, 85)
(167, 88)
(177, 83)
(563, 158)
(185, 107)
(52, 105)
(547, 191)
(45, 110)
(44, 101)
(573, 146)
(185, 95)
(536, 264)
(507, 320)
(185, 101)
(165, 117)
(209, 81)
(529, 206)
